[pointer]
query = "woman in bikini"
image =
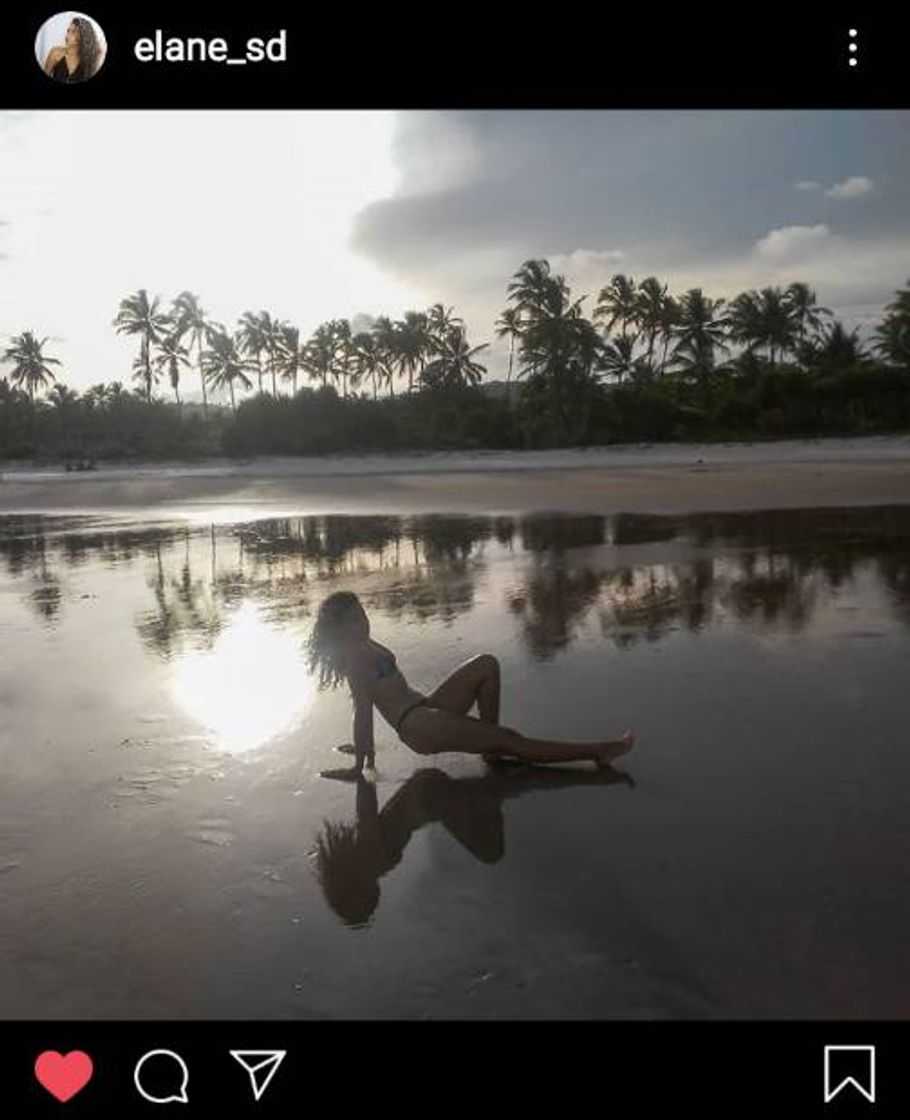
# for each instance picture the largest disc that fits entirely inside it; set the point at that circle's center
(79, 57)
(340, 648)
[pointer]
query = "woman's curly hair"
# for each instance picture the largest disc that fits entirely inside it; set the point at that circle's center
(89, 47)
(324, 649)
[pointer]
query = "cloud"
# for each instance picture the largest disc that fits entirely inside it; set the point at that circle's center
(580, 259)
(587, 267)
(791, 241)
(808, 185)
(854, 187)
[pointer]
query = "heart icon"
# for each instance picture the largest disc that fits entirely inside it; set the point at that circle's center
(63, 1075)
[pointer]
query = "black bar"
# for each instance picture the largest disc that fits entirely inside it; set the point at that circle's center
(477, 57)
(718, 1069)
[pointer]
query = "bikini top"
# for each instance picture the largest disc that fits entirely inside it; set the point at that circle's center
(386, 665)
(61, 72)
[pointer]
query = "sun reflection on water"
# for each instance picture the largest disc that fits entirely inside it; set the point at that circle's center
(252, 685)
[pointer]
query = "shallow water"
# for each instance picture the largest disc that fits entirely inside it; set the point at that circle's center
(167, 847)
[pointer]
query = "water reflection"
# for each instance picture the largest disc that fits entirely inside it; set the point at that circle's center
(352, 856)
(251, 685)
(568, 574)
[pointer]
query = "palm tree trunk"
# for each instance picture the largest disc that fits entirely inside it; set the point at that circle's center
(509, 376)
(205, 403)
(148, 369)
(233, 402)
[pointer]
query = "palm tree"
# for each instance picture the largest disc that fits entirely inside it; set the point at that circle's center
(892, 341)
(271, 341)
(560, 342)
(834, 349)
(251, 340)
(744, 320)
(387, 350)
(700, 332)
(893, 333)
(765, 318)
(223, 365)
(172, 356)
(531, 287)
(320, 352)
(617, 358)
(455, 367)
(291, 356)
(617, 303)
(343, 362)
(32, 366)
(669, 321)
(804, 309)
(651, 310)
(191, 319)
(138, 316)
(510, 323)
(413, 343)
(367, 356)
(440, 321)
(64, 402)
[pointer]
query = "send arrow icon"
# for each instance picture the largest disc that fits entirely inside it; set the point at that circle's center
(261, 1065)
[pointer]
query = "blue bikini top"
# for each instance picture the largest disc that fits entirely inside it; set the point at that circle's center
(386, 665)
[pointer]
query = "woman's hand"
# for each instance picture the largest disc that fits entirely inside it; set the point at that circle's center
(351, 774)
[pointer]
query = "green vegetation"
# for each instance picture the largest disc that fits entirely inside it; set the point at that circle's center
(645, 366)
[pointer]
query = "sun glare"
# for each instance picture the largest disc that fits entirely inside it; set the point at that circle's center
(252, 685)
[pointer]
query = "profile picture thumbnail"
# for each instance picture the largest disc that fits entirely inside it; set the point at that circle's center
(70, 47)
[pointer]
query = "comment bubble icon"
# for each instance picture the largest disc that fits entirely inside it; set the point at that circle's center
(162, 1077)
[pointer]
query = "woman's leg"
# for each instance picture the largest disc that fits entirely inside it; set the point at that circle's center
(429, 730)
(476, 680)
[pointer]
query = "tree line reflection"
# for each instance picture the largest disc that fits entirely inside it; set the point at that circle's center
(632, 577)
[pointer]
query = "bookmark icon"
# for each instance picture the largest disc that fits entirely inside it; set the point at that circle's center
(261, 1065)
(850, 1065)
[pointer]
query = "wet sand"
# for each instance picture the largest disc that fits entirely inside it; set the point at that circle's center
(169, 850)
(645, 489)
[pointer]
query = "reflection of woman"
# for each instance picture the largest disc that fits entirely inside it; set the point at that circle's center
(352, 858)
(340, 647)
(79, 57)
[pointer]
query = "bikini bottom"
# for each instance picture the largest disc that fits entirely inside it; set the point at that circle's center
(410, 708)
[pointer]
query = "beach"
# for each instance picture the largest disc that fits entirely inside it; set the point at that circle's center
(169, 848)
(654, 478)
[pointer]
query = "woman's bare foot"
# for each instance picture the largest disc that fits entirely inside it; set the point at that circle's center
(500, 760)
(616, 747)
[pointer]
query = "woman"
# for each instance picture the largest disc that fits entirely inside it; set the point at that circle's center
(79, 58)
(340, 647)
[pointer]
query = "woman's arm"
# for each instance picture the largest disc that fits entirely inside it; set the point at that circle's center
(361, 681)
(363, 732)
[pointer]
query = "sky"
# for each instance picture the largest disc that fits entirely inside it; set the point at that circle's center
(317, 215)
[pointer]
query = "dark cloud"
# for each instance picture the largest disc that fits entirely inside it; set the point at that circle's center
(481, 188)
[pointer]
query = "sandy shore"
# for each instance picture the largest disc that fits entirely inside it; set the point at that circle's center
(674, 488)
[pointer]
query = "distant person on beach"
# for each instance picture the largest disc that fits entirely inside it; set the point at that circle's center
(340, 648)
(79, 57)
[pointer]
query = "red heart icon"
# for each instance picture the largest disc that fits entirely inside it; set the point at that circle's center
(63, 1075)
